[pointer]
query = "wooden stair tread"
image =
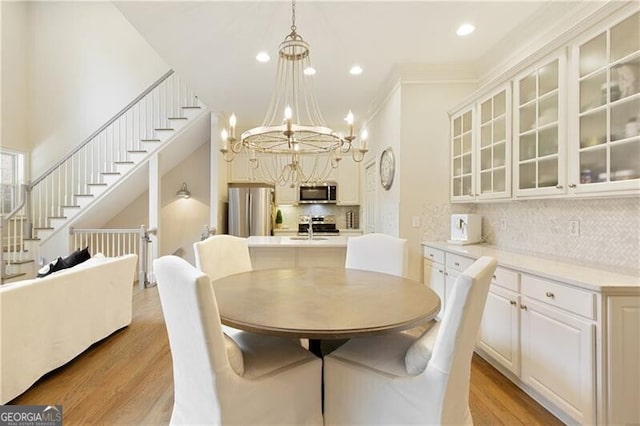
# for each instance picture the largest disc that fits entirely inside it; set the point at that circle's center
(109, 173)
(150, 140)
(45, 228)
(12, 276)
(123, 162)
(138, 151)
(71, 207)
(177, 118)
(96, 184)
(83, 195)
(191, 107)
(164, 129)
(56, 217)
(18, 262)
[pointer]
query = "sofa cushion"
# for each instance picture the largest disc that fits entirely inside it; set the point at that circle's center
(77, 257)
(57, 265)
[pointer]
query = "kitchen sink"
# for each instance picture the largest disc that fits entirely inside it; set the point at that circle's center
(307, 238)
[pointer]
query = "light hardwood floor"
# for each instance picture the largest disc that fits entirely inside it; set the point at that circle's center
(126, 379)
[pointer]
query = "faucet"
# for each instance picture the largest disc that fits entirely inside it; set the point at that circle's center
(310, 232)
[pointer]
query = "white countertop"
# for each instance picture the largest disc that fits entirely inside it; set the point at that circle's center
(297, 241)
(592, 278)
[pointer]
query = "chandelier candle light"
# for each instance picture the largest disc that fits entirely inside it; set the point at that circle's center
(300, 148)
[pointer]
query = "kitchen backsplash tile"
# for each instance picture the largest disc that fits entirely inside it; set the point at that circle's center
(609, 229)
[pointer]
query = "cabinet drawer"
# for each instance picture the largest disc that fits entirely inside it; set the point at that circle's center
(571, 299)
(506, 278)
(434, 255)
(459, 263)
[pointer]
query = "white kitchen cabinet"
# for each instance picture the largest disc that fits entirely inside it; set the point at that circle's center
(539, 123)
(499, 333)
(481, 148)
(558, 358)
(434, 278)
(287, 195)
(623, 345)
(440, 273)
(348, 175)
(241, 168)
(605, 152)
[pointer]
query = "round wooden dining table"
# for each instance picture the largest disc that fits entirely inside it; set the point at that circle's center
(323, 303)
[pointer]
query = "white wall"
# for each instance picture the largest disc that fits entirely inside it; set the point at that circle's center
(181, 220)
(424, 154)
(85, 63)
(13, 81)
(384, 131)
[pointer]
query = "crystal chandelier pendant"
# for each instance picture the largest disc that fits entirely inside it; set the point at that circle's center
(293, 144)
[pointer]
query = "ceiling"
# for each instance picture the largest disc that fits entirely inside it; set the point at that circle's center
(213, 44)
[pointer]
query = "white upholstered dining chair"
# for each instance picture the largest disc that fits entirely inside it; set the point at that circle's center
(398, 379)
(222, 255)
(259, 380)
(379, 253)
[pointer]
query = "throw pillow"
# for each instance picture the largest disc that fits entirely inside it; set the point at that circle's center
(55, 266)
(77, 257)
(234, 353)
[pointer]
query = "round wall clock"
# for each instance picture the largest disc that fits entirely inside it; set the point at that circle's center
(387, 168)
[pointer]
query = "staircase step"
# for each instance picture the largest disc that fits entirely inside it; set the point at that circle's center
(109, 173)
(123, 162)
(150, 140)
(191, 107)
(12, 276)
(44, 228)
(83, 195)
(75, 206)
(177, 118)
(18, 262)
(138, 151)
(97, 184)
(164, 129)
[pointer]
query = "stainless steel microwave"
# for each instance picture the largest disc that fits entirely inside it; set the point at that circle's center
(318, 194)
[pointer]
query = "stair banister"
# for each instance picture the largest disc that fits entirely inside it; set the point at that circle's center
(101, 129)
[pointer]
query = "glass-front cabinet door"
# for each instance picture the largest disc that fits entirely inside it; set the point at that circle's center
(607, 150)
(494, 145)
(540, 135)
(462, 179)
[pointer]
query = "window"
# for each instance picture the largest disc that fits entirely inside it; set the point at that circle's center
(11, 177)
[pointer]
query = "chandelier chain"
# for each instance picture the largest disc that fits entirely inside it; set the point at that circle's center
(293, 16)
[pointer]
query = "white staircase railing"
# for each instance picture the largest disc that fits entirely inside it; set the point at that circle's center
(108, 152)
(98, 161)
(118, 242)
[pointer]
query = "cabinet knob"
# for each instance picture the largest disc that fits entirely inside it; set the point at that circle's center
(572, 185)
(456, 263)
(494, 277)
(441, 271)
(430, 254)
(513, 302)
(559, 186)
(550, 295)
(523, 307)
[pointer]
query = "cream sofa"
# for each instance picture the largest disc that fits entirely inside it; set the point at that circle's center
(46, 322)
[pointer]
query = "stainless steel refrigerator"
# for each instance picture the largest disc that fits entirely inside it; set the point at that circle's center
(250, 209)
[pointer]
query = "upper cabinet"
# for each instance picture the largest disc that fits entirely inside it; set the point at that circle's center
(494, 145)
(571, 127)
(481, 149)
(606, 71)
(462, 135)
(539, 129)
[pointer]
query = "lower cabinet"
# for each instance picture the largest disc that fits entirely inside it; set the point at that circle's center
(499, 333)
(297, 257)
(541, 331)
(558, 358)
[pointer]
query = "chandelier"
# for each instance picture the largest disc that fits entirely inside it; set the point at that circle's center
(293, 144)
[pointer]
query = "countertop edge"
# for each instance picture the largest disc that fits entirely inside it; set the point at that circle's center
(586, 277)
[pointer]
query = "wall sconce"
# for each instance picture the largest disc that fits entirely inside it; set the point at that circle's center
(183, 192)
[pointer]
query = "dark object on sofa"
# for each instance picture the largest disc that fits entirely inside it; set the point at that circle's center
(77, 257)
(55, 266)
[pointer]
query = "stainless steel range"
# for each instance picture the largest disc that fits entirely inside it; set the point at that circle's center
(321, 225)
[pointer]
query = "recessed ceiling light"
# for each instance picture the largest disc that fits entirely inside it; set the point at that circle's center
(465, 29)
(355, 70)
(263, 57)
(309, 71)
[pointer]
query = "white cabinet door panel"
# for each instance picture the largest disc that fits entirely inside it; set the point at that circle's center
(500, 328)
(558, 358)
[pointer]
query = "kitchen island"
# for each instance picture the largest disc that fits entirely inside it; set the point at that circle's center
(297, 251)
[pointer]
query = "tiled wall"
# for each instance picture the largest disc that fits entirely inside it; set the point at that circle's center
(609, 228)
(291, 214)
